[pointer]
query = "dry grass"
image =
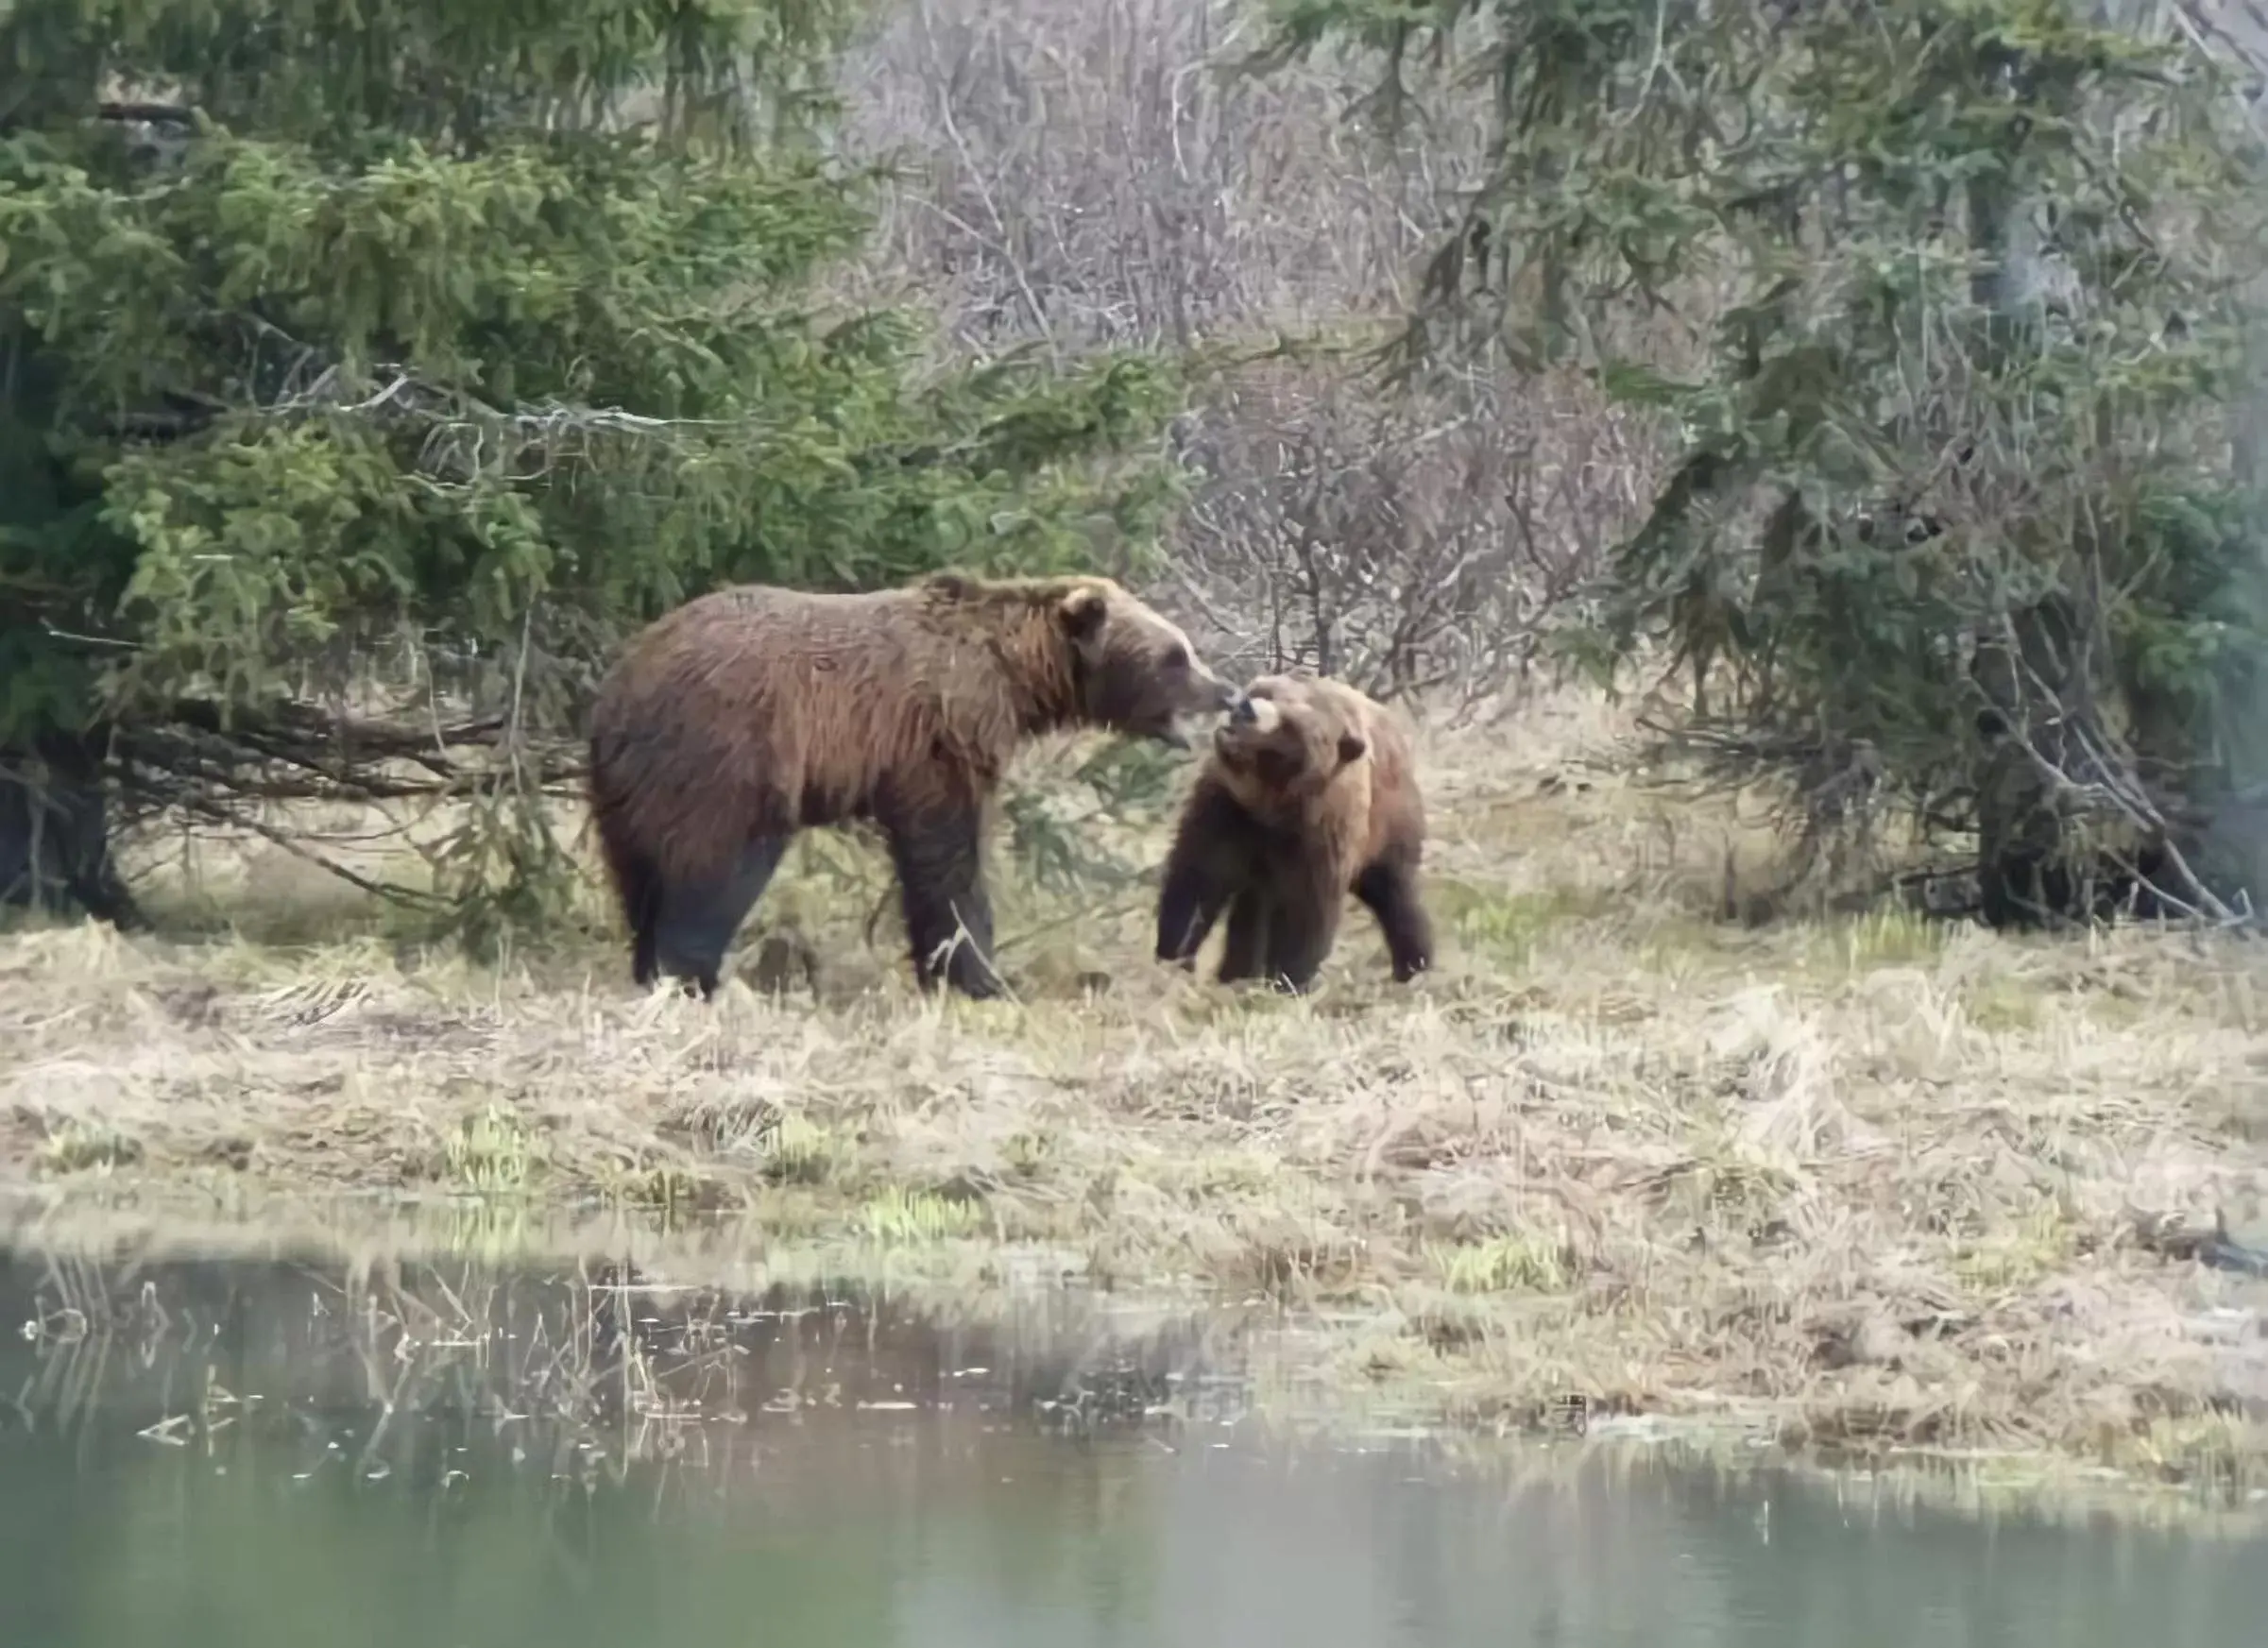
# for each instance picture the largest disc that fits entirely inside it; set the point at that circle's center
(1866, 1182)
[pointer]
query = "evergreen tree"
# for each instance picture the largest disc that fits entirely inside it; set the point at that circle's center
(1949, 308)
(367, 369)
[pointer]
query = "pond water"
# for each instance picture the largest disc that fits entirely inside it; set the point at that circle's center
(239, 1453)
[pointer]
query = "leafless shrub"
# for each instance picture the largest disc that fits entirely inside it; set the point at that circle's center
(1097, 175)
(1410, 544)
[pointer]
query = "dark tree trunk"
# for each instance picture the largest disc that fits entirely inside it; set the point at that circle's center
(55, 841)
(2034, 864)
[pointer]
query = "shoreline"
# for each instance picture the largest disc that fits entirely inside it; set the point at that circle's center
(1270, 1356)
(1886, 1182)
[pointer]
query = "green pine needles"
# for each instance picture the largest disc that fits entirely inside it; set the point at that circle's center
(366, 370)
(1949, 313)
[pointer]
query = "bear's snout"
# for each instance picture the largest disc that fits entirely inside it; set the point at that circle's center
(1242, 711)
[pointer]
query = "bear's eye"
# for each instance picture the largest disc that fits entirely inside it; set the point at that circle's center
(1178, 657)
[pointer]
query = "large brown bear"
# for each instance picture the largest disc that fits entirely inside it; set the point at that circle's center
(1310, 793)
(751, 713)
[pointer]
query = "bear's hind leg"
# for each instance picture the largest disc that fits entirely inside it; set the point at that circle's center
(1388, 890)
(938, 854)
(693, 923)
(646, 964)
(638, 885)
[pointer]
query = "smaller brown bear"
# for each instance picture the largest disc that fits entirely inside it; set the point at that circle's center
(1310, 793)
(751, 713)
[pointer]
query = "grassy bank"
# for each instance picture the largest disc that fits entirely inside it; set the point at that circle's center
(1868, 1181)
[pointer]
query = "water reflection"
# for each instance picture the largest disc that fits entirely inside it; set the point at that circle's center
(243, 1453)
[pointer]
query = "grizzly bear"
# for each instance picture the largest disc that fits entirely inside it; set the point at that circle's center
(751, 713)
(1310, 793)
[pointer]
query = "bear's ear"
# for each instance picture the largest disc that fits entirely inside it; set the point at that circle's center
(1352, 748)
(951, 585)
(1081, 612)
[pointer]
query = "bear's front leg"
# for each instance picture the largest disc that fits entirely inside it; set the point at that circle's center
(1244, 951)
(1302, 927)
(1212, 859)
(938, 854)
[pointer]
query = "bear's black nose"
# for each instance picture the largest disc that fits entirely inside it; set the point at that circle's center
(1242, 711)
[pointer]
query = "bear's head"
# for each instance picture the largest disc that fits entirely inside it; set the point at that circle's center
(1132, 669)
(1288, 736)
(1088, 652)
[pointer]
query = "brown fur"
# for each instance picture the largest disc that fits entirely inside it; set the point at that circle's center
(1310, 794)
(751, 713)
